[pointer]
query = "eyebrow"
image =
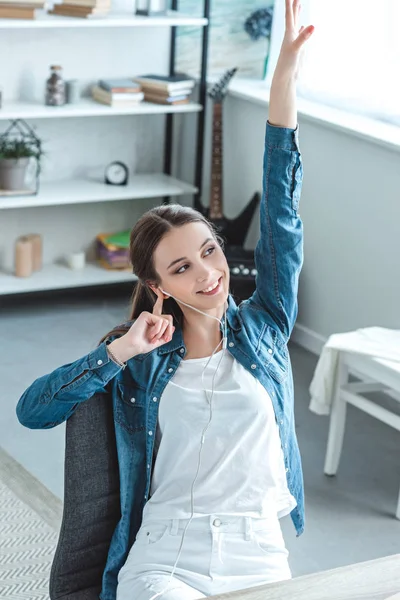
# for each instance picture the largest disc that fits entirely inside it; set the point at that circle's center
(184, 257)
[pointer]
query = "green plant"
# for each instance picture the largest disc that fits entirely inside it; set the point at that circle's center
(19, 148)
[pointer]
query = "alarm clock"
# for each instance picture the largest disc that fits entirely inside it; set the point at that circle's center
(116, 173)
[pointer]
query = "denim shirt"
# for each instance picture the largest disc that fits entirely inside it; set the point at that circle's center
(258, 332)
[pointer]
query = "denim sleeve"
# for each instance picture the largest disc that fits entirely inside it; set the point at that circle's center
(279, 250)
(53, 398)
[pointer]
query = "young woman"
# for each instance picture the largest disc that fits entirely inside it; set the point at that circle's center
(202, 389)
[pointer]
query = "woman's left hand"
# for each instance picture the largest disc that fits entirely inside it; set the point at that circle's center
(293, 41)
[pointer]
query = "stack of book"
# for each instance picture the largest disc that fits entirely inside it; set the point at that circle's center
(20, 9)
(117, 92)
(82, 8)
(166, 89)
(112, 250)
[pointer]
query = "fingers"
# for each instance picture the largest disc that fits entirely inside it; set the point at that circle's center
(289, 14)
(305, 33)
(162, 329)
(157, 308)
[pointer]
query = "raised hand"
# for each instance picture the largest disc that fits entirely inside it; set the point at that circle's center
(293, 41)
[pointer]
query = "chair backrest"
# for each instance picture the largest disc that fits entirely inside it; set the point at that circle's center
(91, 502)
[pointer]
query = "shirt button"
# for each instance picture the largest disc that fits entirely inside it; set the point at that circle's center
(148, 466)
(182, 350)
(253, 366)
(273, 393)
(170, 370)
(286, 469)
(281, 422)
(217, 522)
(99, 362)
(155, 399)
(150, 433)
(231, 344)
(269, 351)
(133, 399)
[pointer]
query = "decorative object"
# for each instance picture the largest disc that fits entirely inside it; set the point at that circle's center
(23, 257)
(149, 8)
(28, 254)
(76, 260)
(112, 250)
(55, 87)
(259, 24)
(116, 173)
(72, 91)
(18, 145)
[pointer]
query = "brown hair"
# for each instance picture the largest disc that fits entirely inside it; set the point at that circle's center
(144, 239)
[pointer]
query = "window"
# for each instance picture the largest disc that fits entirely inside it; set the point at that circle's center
(352, 60)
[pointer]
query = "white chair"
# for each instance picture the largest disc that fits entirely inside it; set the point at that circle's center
(378, 375)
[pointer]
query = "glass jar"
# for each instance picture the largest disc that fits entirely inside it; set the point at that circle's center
(55, 87)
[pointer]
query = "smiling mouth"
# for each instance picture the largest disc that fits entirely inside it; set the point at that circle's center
(215, 288)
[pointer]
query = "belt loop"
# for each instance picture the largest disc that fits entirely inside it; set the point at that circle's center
(249, 529)
(174, 526)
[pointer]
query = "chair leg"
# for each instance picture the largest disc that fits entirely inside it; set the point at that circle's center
(398, 508)
(337, 421)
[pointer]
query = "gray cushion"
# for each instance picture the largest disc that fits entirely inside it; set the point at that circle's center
(91, 502)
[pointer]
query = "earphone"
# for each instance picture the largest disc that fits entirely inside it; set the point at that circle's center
(209, 400)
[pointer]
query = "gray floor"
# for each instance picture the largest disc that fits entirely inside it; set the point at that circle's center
(350, 518)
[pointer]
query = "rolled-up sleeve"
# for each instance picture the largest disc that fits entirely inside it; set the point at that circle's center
(279, 250)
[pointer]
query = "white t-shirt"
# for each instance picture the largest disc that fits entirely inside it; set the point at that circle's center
(242, 467)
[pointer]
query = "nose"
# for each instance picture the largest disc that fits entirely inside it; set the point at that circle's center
(204, 274)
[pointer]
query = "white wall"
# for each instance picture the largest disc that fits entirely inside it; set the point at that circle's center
(350, 208)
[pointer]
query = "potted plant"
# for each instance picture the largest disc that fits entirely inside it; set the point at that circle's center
(15, 156)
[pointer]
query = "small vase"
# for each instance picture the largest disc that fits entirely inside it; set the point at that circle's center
(13, 172)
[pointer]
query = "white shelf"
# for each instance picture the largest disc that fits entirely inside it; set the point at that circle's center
(79, 191)
(57, 276)
(87, 108)
(46, 21)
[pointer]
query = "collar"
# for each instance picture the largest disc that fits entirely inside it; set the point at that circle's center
(177, 340)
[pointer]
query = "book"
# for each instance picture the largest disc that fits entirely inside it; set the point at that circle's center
(22, 6)
(67, 10)
(174, 100)
(20, 12)
(119, 85)
(162, 94)
(116, 99)
(167, 82)
(90, 3)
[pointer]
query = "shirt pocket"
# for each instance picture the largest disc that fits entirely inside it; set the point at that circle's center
(130, 408)
(272, 353)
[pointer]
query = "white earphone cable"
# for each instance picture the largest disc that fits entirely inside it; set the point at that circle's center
(209, 400)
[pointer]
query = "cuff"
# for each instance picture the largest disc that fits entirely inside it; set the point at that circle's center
(282, 137)
(100, 361)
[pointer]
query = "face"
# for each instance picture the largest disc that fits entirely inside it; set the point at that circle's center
(189, 260)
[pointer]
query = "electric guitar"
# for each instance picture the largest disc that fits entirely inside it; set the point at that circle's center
(234, 231)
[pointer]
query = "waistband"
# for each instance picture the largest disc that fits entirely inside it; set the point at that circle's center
(217, 522)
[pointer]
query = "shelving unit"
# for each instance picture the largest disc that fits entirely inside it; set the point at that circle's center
(77, 191)
(88, 108)
(46, 21)
(59, 276)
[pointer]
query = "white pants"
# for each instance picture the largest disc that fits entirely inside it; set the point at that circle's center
(220, 553)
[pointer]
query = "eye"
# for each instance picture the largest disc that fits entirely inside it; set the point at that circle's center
(179, 272)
